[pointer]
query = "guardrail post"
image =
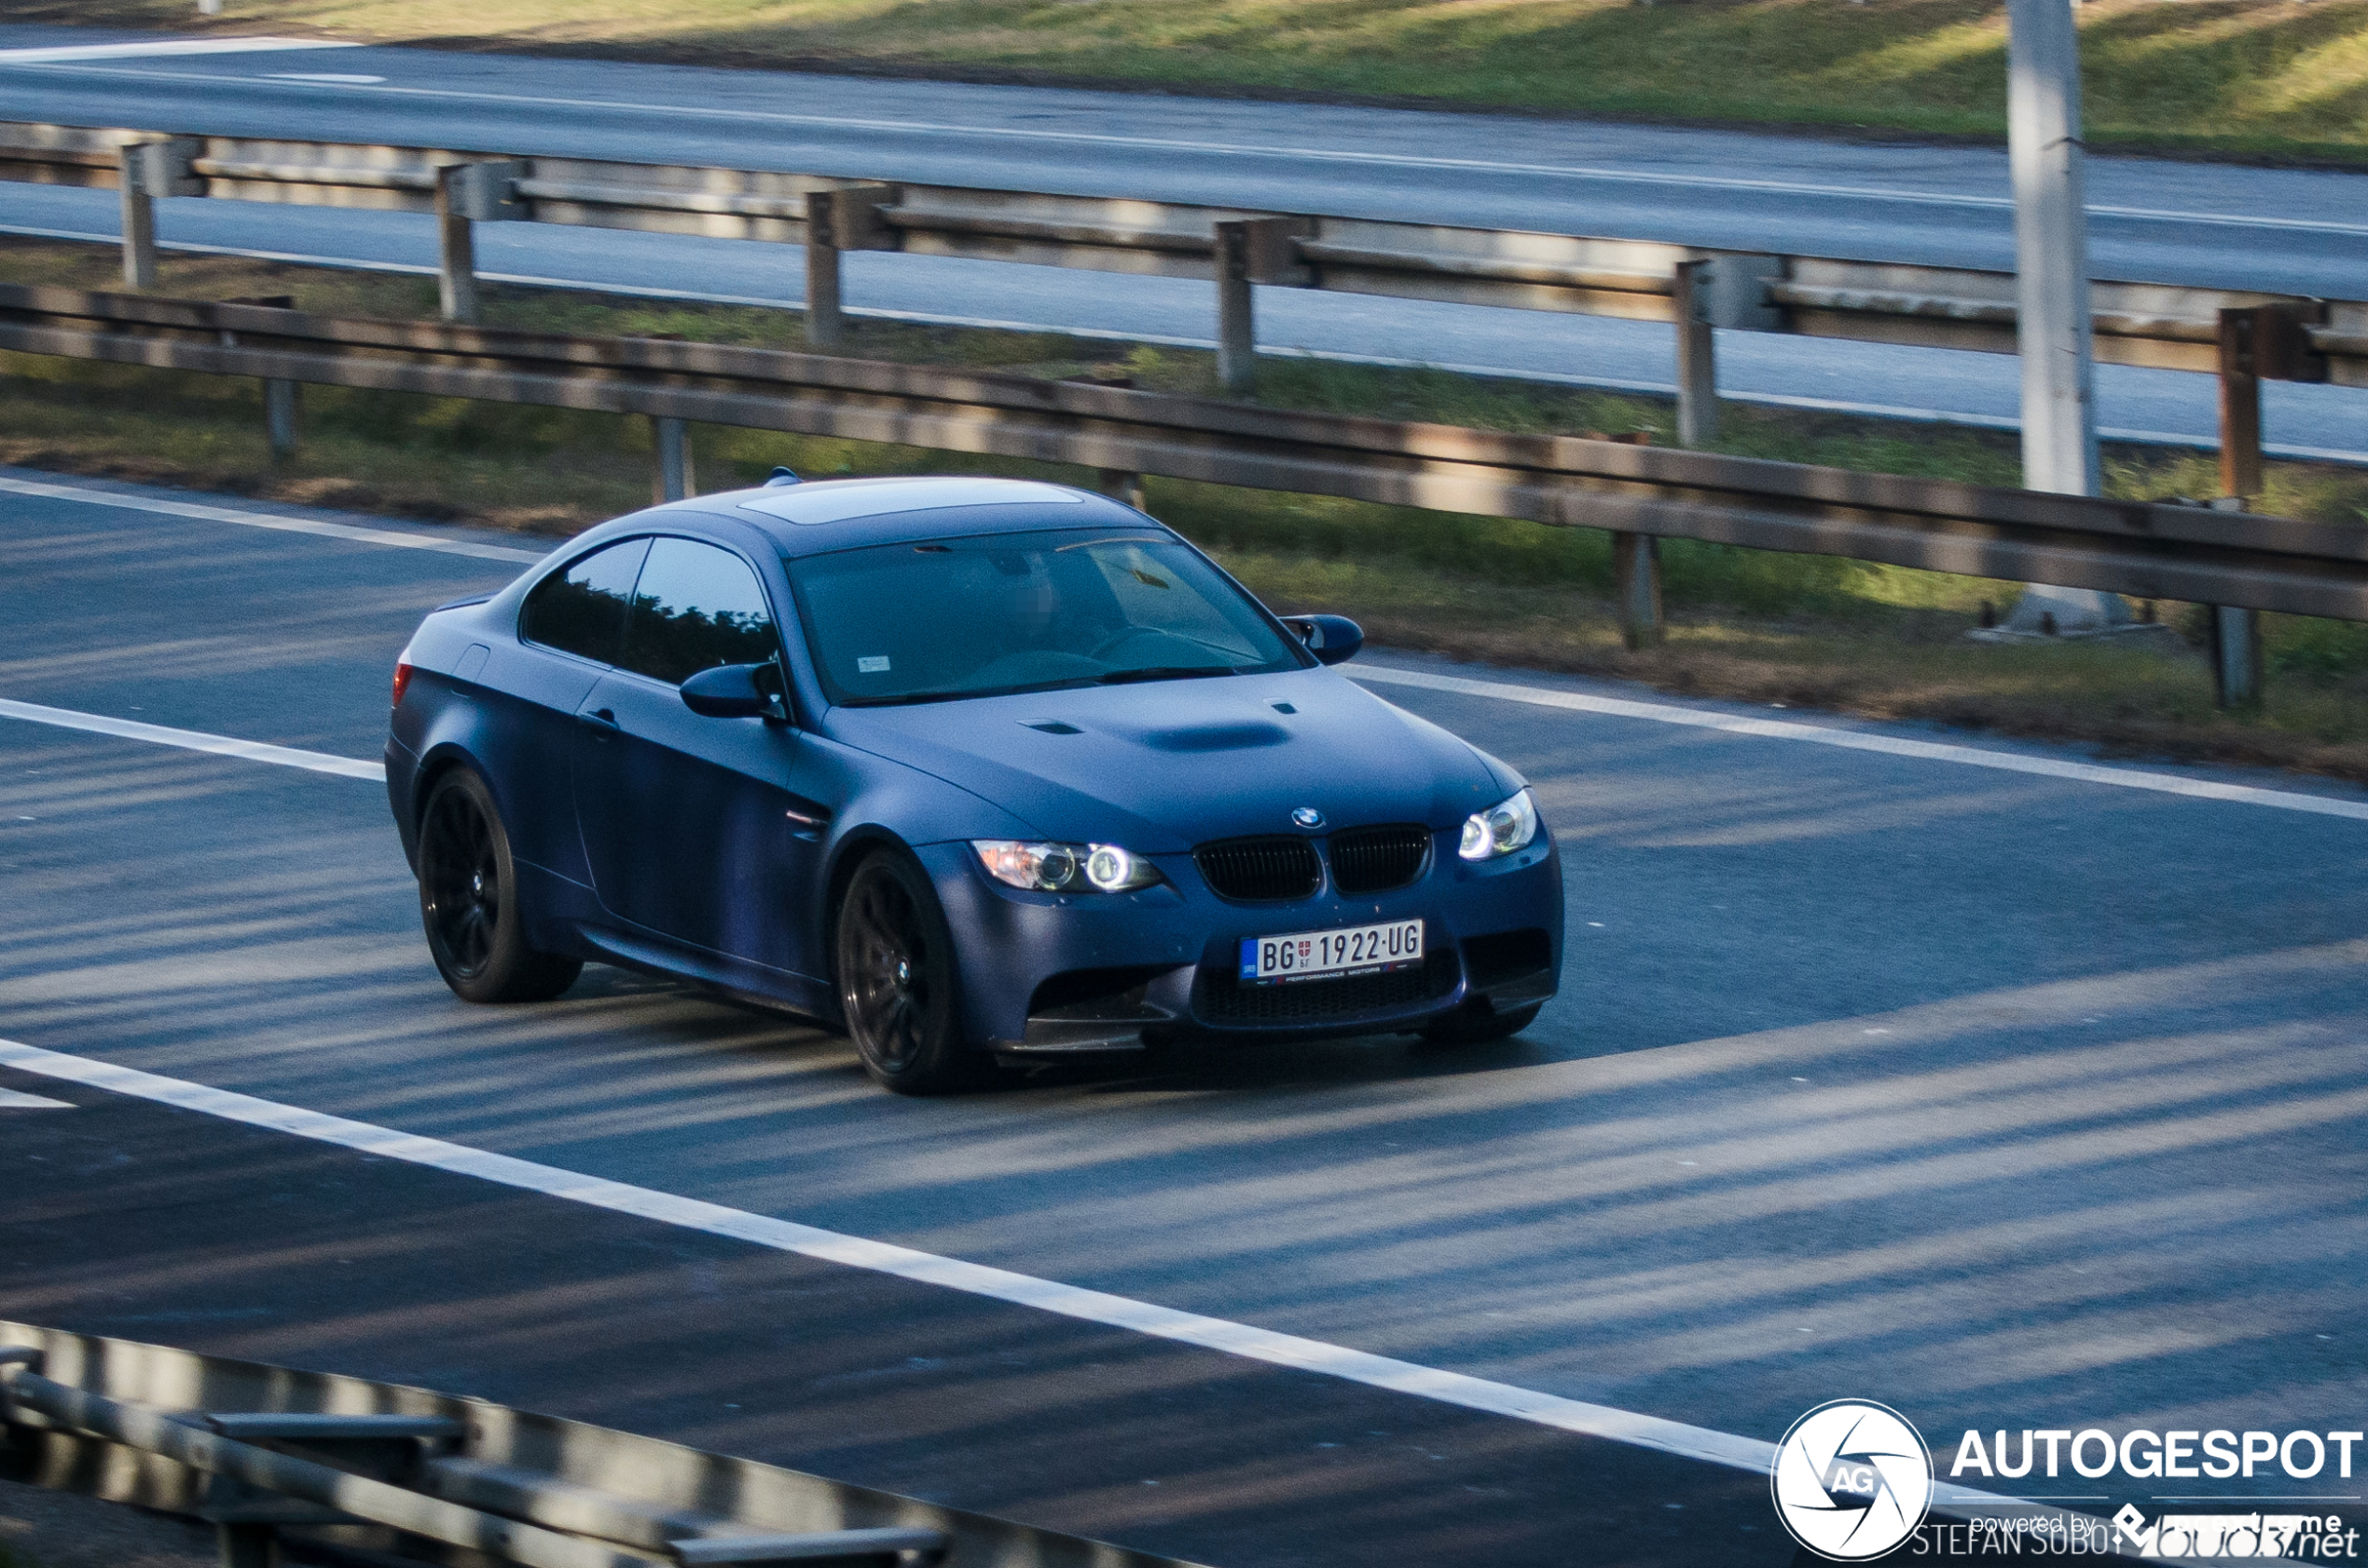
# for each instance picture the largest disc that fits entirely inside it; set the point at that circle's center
(676, 481)
(2240, 407)
(456, 248)
(1121, 485)
(825, 321)
(279, 423)
(1636, 581)
(836, 221)
(145, 170)
(1237, 328)
(1248, 250)
(468, 193)
(1697, 353)
(2236, 656)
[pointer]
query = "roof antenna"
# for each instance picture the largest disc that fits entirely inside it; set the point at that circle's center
(782, 476)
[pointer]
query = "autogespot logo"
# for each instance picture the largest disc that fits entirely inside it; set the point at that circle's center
(1852, 1481)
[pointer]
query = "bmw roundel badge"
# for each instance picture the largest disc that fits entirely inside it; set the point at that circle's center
(1307, 817)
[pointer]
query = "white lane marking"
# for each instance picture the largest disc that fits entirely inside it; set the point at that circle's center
(194, 740)
(66, 52)
(337, 78)
(1316, 154)
(976, 1279)
(11, 1099)
(1855, 741)
(267, 520)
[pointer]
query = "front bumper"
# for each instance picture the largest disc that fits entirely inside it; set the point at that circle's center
(1047, 973)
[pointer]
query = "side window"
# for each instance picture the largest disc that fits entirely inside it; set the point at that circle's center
(581, 610)
(695, 608)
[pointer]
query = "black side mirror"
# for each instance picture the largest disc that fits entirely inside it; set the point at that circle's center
(1332, 638)
(735, 692)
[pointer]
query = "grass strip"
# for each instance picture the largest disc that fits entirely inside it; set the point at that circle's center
(1790, 630)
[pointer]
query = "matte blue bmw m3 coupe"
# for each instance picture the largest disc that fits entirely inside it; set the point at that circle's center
(974, 769)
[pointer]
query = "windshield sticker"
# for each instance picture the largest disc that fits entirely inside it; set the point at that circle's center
(874, 664)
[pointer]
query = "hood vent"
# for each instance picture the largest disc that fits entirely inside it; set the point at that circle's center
(1259, 870)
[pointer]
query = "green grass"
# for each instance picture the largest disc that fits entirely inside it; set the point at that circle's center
(1794, 629)
(2241, 76)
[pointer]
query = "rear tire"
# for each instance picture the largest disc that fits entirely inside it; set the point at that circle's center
(899, 987)
(1462, 1027)
(469, 901)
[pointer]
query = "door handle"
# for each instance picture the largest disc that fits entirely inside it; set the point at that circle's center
(598, 719)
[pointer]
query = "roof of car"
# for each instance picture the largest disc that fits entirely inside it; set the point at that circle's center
(828, 514)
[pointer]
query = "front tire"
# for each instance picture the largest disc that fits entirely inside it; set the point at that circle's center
(898, 984)
(469, 901)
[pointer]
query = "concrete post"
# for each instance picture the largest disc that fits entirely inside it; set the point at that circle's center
(825, 321)
(2051, 248)
(1697, 353)
(675, 480)
(279, 423)
(456, 248)
(1122, 486)
(1236, 329)
(1636, 581)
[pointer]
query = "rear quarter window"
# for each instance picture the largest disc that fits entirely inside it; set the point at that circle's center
(581, 610)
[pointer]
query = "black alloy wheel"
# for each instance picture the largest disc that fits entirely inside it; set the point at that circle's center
(469, 901)
(896, 980)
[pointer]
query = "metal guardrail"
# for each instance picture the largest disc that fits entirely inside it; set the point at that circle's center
(2149, 551)
(2135, 323)
(253, 1448)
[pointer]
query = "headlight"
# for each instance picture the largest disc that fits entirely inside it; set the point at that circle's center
(1064, 868)
(1503, 828)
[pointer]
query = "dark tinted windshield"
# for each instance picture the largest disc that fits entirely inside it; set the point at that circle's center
(1021, 611)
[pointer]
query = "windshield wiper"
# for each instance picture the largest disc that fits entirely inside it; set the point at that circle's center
(1164, 672)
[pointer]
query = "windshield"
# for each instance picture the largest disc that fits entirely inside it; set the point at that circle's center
(1025, 611)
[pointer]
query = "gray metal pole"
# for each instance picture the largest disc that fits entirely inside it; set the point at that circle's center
(825, 319)
(456, 250)
(1697, 354)
(676, 481)
(1636, 581)
(1236, 331)
(138, 222)
(2051, 247)
(279, 416)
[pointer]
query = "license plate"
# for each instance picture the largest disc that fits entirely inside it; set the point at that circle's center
(1278, 960)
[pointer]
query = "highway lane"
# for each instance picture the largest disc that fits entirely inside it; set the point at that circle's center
(2009, 1100)
(2133, 405)
(2154, 220)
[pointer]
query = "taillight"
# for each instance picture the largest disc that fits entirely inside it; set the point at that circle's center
(402, 681)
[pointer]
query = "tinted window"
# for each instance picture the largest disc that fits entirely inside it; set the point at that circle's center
(1020, 612)
(582, 610)
(695, 607)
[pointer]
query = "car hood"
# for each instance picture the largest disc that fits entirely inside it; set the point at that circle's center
(1166, 764)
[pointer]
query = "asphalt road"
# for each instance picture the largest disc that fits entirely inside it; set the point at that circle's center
(2012, 1099)
(2279, 229)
